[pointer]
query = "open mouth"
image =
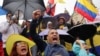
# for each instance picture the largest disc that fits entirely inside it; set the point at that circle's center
(54, 38)
(23, 49)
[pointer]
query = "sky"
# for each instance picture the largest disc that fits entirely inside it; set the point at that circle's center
(69, 5)
(1, 2)
(3, 17)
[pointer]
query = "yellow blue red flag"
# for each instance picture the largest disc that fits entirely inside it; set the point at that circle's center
(86, 9)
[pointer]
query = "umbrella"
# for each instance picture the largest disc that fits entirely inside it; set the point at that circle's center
(54, 19)
(26, 6)
(60, 32)
(63, 35)
(46, 19)
(83, 31)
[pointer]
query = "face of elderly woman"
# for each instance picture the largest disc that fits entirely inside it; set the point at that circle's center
(22, 48)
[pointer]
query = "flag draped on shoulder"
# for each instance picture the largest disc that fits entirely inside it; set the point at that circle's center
(86, 9)
(51, 7)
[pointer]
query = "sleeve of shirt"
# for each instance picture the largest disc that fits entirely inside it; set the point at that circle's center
(90, 54)
(36, 38)
(76, 48)
(3, 27)
(20, 29)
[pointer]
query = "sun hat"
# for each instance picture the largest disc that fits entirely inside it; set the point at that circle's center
(14, 38)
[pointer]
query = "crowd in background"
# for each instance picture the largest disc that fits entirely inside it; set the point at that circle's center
(28, 29)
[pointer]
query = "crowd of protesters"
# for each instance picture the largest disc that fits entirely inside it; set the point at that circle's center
(50, 47)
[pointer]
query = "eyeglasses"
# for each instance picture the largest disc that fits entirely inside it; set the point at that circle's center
(21, 43)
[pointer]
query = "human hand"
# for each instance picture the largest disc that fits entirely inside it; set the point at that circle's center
(37, 14)
(23, 24)
(80, 43)
(11, 22)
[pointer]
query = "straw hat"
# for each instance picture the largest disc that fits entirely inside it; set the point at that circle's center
(16, 37)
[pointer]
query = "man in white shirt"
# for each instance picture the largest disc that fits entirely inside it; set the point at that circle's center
(9, 27)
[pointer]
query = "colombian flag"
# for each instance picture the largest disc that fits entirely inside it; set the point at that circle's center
(86, 9)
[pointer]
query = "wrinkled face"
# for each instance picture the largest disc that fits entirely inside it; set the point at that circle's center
(53, 37)
(22, 48)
